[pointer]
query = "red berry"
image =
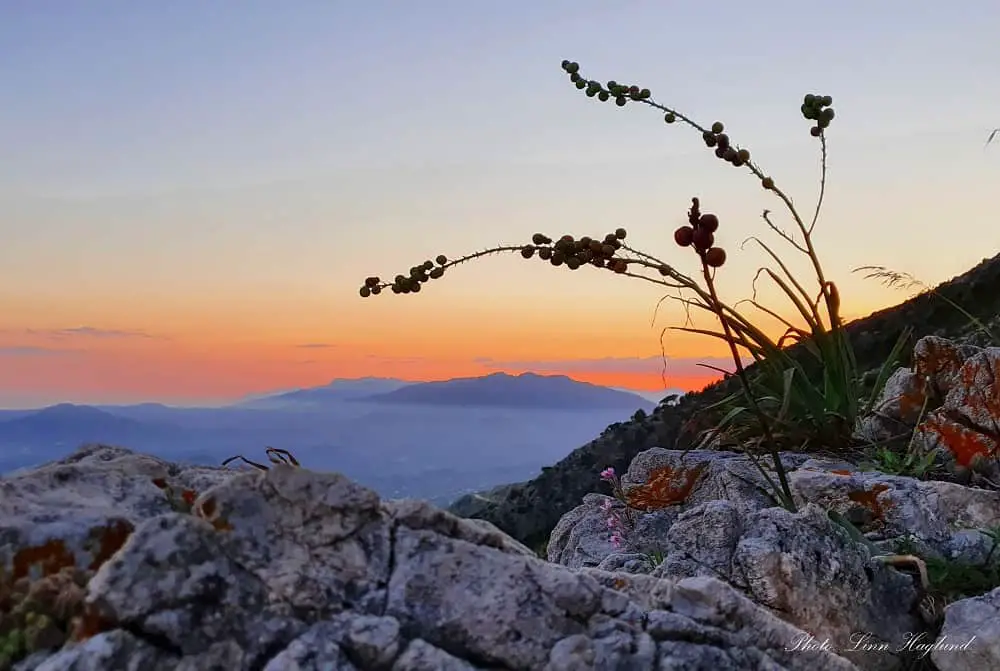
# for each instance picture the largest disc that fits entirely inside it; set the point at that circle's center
(703, 239)
(715, 257)
(684, 235)
(709, 222)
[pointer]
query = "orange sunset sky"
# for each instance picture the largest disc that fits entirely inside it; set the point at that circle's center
(191, 195)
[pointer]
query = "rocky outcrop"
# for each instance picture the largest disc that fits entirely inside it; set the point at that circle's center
(947, 403)
(530, 510)
(803, 567)
(292, 569)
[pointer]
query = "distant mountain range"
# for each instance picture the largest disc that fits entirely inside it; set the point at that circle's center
(432, 440)
(526, 390)
(499, 390)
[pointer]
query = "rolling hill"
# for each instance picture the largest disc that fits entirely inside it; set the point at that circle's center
(527, 390)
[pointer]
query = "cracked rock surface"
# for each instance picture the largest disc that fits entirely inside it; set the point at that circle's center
(294, 569)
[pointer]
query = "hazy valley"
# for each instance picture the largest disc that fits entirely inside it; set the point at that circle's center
(425, 440)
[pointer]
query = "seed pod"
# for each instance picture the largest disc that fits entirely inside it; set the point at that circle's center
(609, 238)
(527, 252)
(572, 263)
(441, 259)
(557, 258)
(715, 257)
(620, 101)
(428, 264)
(717, 127)
(709, 138)
(722, 140)
(709, 222)
(603, 96)
(376, 290)
(720, 152)
(743, 155)
(365, 292)
(815, 131)
(415, 288)
(827, 114)
(683, 236)
(541, 239)
(437, 273)
(620, 266)
(595, 246)
(395, 288)
(620, 233)
(669, 117)
(730, 154)
(545, 253)
(767, 183)
(826, 101)
(607, 250)
(644, 94)
(597, 261)
(664, 270)
(702, 239)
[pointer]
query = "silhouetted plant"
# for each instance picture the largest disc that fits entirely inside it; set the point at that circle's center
(801, 397)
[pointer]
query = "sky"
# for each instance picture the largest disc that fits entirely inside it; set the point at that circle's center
(192, 193)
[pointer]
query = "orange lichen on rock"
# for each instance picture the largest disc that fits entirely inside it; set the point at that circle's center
(935, 358)
(979, 377)
(666, 486)
(209, 510)
(869, 499)
(89, 624)
(961, 441)
(106, 540)
(48, 558)
(841, 471)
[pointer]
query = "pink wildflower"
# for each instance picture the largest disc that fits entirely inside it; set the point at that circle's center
(616, 541)
(608, 474)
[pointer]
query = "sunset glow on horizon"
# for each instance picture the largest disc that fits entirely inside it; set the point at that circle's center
(192, 195)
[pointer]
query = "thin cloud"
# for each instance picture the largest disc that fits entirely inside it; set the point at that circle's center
(316, 345)
(679, 366)
(31, 351)
(87, 332)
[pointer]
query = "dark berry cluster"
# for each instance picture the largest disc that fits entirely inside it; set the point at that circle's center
(403, 284)
(621, 93)
(715, 137)
(700, 233)
(817, 108)
(574, 253)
